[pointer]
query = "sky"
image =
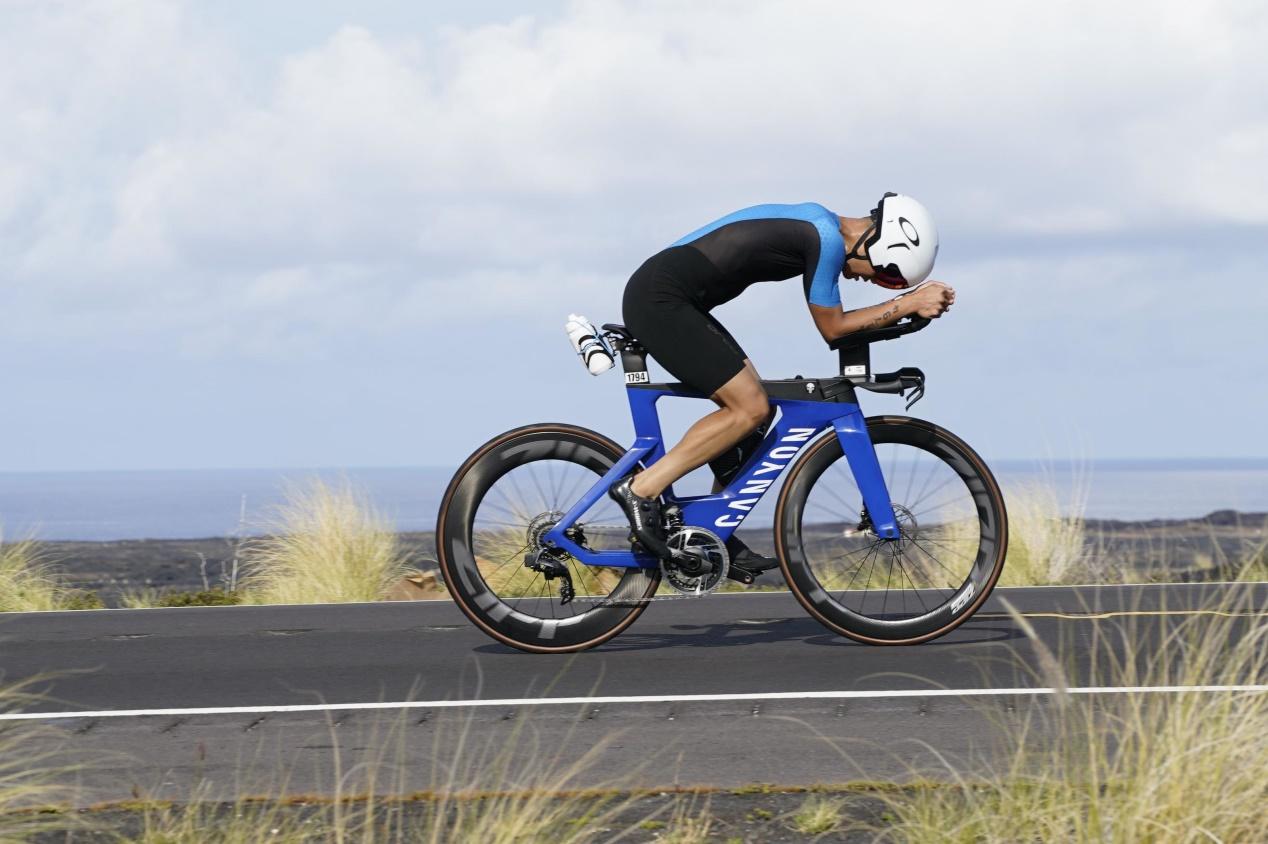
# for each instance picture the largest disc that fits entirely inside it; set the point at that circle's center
(331, 234)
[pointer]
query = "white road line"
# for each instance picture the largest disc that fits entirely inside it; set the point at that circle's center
(615, 699)
(1000, 590)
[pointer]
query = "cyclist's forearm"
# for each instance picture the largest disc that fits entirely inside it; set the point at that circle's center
(876, 316)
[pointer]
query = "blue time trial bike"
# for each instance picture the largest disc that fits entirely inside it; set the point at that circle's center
(888, 529)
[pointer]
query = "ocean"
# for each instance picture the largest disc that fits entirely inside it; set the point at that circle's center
(182, 504)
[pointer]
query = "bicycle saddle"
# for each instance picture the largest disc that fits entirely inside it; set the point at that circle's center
(619, 330)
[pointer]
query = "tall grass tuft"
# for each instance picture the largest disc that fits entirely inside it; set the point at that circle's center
(492, 789)
(1047, 537)
(1137, 766)
(241, 822)
(818, 815)
(328, 544)
(33, 773)
(1248, 562)
(28, 582)
(1253, 566)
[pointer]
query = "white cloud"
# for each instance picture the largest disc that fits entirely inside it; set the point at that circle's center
(159, 186)
(1071, 116)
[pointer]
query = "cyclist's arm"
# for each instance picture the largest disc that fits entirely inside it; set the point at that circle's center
(931, 299)
(834, 322)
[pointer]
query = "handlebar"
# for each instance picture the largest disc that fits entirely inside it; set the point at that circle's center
(854, 354)
(874, 335)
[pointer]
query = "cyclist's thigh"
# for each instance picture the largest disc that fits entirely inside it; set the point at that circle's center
(660, 310)
(720, 329)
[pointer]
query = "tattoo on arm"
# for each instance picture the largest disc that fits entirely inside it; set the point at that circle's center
(879, 322)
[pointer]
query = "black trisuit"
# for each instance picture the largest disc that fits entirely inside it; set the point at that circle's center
(668, 299)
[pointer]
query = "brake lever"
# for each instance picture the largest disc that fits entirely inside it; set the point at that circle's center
(917, 393)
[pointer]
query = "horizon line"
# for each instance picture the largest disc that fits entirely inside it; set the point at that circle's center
(1040, 461)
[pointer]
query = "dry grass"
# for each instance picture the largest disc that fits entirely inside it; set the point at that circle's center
(1249, 562)
(690, 822)
(1154, 767)
(243, 822)
(1254, 566)
(33, 772)
(142, 597)
(1047, 540)
(30, 583)
(490, 789)
(818, 815)
(328, 544)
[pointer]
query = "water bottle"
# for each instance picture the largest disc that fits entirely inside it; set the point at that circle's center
(594, 353)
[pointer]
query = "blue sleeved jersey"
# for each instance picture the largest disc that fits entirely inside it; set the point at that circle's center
(772, 243)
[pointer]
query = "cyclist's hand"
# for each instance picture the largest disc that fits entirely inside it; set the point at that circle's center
(932, 299)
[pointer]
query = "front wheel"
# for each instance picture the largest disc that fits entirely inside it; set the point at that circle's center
(953, 535)
(500, 503)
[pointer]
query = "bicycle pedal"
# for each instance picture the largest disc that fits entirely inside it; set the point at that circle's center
(742, 575)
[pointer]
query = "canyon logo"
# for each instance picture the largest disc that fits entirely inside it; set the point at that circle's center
(772, 464)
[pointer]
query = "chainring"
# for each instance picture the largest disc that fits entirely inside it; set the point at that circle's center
(705, 545)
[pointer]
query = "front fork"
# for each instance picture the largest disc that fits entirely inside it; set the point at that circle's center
(860, 453)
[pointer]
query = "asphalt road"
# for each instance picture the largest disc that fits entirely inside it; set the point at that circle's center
(724, 691)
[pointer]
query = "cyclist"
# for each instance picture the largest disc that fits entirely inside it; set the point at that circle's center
(668, 299)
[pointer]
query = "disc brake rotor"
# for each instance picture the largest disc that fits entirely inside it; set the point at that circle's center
(540, 526)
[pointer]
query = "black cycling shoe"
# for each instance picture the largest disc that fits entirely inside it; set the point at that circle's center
(748, 559)
(644, 516)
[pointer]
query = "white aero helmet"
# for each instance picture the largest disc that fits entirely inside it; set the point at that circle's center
(902, 242)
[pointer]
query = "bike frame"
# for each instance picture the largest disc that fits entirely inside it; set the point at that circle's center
(797, 424)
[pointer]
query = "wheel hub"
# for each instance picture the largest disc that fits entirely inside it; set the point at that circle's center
(903, 517)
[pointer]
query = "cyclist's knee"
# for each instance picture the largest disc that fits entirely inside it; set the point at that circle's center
(744, 397)
(752, 411)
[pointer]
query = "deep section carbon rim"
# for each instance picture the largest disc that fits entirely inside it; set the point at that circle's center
(953, 535)
(498, 506)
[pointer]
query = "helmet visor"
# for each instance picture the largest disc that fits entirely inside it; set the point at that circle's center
(889, 276)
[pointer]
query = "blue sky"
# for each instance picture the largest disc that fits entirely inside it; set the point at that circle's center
(321, 234)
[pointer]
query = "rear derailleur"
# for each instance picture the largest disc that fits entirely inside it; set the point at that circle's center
(553, 564)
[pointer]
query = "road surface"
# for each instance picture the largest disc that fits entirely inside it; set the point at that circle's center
(725, 691)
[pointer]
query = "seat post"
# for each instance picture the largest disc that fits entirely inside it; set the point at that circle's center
(633, 355)
(633, 360)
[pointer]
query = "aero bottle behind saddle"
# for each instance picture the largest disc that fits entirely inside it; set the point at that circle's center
(589, 344)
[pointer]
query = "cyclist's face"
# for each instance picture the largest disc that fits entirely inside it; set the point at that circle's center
(858, 268)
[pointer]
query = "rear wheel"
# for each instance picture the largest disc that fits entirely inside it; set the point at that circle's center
(953, 535)
(507, 495)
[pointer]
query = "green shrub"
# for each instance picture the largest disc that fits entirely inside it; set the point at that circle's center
(81, 599)
(215, 597)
